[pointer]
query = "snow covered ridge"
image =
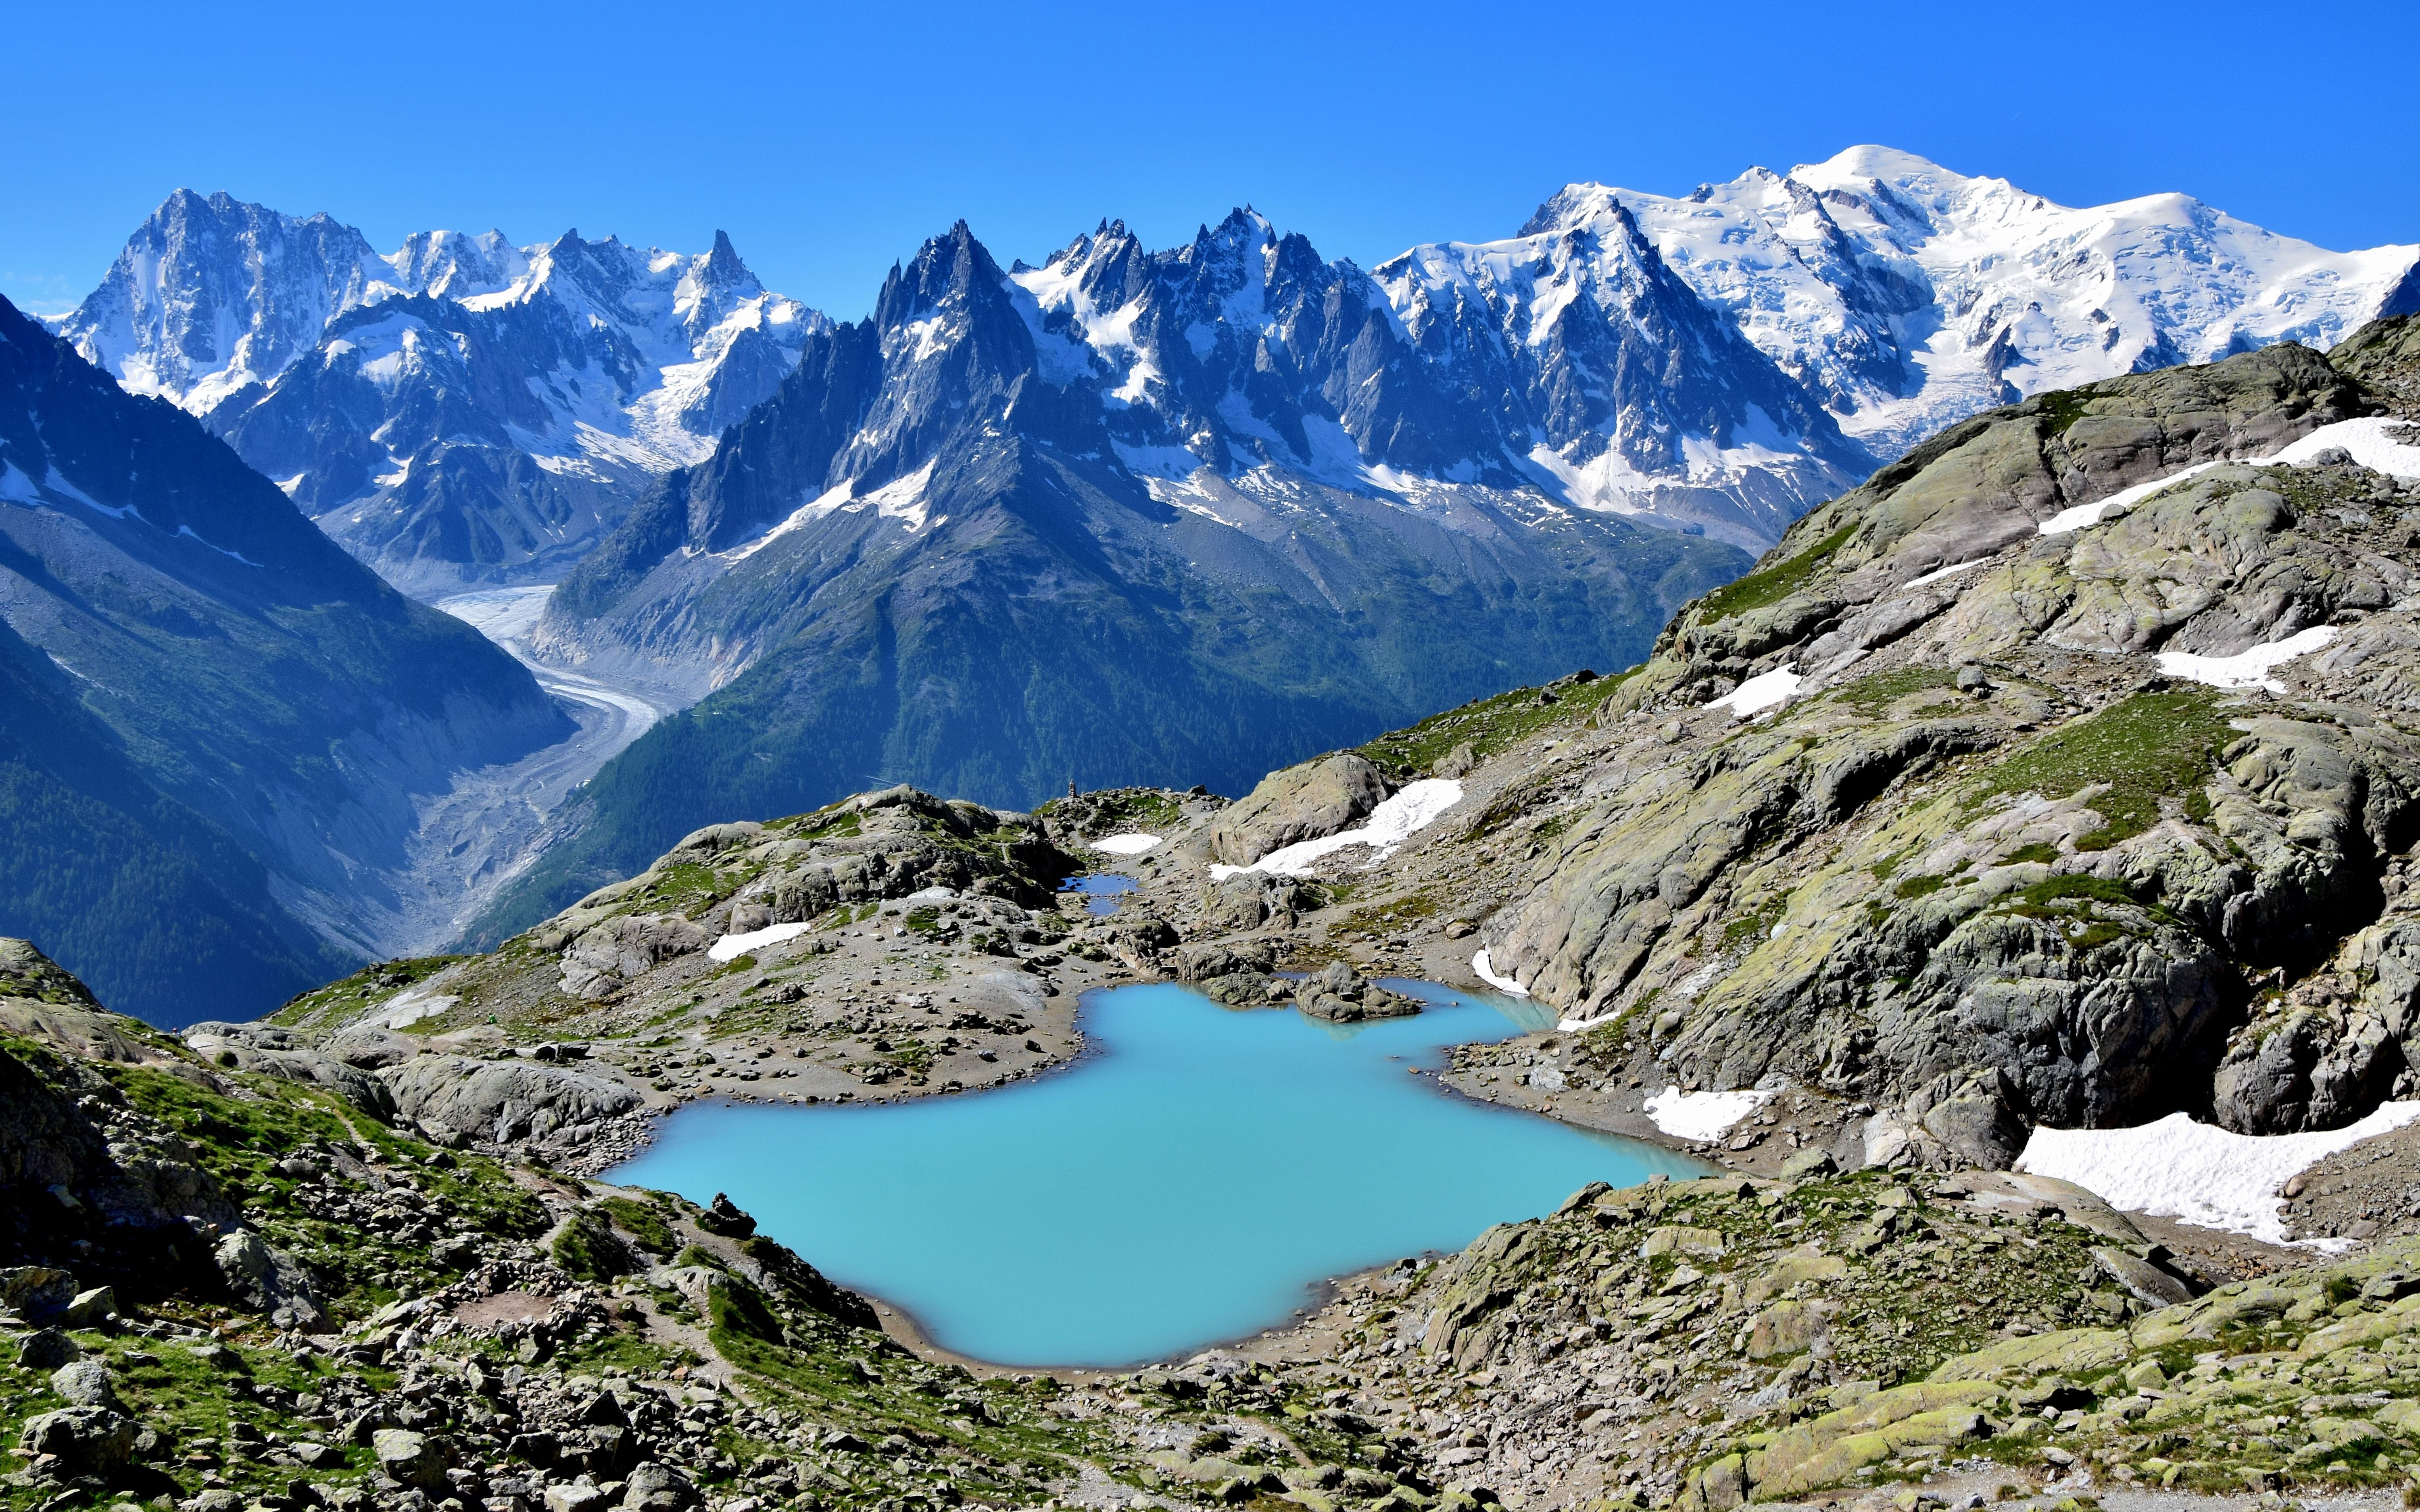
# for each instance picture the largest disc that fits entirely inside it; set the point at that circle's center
(2198, 1172)
(215, 298)
(1390, 823)
(2013, 295)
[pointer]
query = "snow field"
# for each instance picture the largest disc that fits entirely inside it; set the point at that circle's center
(1389, 826)
(2197, 1172)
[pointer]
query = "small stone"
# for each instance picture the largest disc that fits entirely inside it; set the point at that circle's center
(581, 1495)
(1808, 1162)
(91, 1308)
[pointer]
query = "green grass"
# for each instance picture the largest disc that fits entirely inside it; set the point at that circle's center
(1872, 695)
(1490, 724)
(1771, 585)
(2150, 747)
(641, 1221)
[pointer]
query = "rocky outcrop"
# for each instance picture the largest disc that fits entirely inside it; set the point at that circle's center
(273, 1051)
(528, 1105)
(871, 847)
(1987, 864)
(1303, 802)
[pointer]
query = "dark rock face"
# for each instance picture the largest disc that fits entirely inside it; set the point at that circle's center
(90, 1192)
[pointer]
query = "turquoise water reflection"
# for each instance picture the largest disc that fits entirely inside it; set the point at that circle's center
(1191, 1180)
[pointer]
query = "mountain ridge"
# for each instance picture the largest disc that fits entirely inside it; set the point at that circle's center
(488, 432)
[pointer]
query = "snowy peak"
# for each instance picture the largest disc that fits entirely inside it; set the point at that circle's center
(1903, 295)
(461, 409)
(212, 293)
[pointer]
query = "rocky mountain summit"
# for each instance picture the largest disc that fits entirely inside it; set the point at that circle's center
(462, 410)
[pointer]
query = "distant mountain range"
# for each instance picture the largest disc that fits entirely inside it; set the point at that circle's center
(459, 412)
(216, 728)
(1146, 514)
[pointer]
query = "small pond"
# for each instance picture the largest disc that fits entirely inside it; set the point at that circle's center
(1101, 890)
(1191, 1180)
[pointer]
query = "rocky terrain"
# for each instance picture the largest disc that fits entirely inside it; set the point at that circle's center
(1939, 829)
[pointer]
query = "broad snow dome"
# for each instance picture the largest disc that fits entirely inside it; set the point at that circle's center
(1910, 296)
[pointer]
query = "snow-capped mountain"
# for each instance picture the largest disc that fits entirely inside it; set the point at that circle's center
(1131, 516)
(461, 409)
(1904, 297)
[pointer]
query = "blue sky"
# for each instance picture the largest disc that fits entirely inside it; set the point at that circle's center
(830, 141)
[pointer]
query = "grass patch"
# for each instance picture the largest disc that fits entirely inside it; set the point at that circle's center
(2036, 852)
(1772, 584)
(2150, 747)
(641, 1221)
(1490, 724)
(1872, 695)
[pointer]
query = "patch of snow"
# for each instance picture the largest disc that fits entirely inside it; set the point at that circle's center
(2379, 444)
(732, 946)
(1389, 826)
(1701, 1115)
(1765, 690)
(1485, 969)
(2246, 669)
(2197, 1172)
(1130, 844)
(2076, 516)
(411, 1005)
(1939, 573)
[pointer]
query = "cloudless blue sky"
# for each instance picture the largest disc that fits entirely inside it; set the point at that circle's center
(831, 140)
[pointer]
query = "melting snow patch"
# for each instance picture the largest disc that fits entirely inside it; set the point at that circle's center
(2246, 669)
(411, 1005)
(1939, 573)
(1765, 690)
(732, 946)
(2198, 1172)
(1124, 844)
(2379, 444)
(2078, 516)
(1389, 826)
(1702, 1115)
(1486, 970)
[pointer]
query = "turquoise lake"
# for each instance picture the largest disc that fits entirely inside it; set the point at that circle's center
(1192, 1178)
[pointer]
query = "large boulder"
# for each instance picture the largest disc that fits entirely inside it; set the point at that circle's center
(608, 956)
(268, 1280)
(417, 1460)
(88, 1441)
(516, 1102)
(1300, 803)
